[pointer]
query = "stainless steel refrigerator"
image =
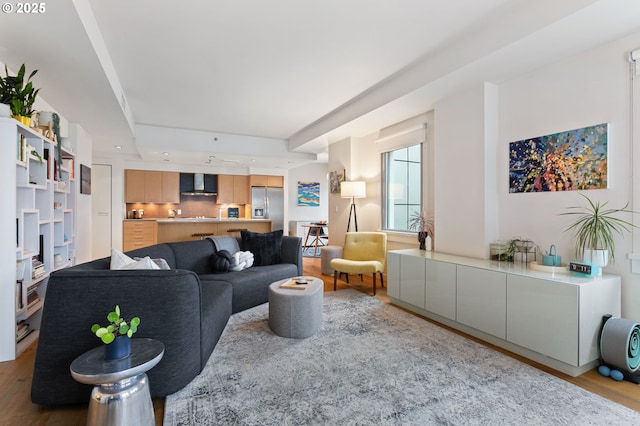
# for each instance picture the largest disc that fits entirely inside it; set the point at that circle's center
(268, 203)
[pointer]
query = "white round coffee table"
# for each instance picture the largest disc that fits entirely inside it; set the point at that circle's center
(296, 312)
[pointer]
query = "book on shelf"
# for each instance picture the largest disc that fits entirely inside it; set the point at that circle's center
(68, 164)
(49, 159)
(23, 334)
(37, 267)
(21, 148)
(19, 301)
(22, 330)
(32, 299)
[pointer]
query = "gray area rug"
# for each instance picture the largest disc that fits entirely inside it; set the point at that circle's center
(374, 364)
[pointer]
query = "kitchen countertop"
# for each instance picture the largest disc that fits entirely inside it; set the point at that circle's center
(198, 219)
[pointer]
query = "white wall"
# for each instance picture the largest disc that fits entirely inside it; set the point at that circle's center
(82, 144)
(461, 163)
(313, 172)
(339, 159)
(584, 90)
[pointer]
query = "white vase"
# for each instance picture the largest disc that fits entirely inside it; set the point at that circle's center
(45, 118)
(596, 257)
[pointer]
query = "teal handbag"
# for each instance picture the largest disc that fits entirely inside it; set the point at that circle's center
(551, 259)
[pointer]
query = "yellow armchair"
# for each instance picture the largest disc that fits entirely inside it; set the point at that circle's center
(363, 253)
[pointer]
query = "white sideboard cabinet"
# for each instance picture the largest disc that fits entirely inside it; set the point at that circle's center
(481, 300)
(553, 319)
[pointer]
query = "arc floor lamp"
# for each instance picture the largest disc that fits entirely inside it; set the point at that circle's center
(353, 190)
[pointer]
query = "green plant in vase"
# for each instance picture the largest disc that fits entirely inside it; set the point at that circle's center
(117, 327)
(423, 223)
(18, 93)
(117, 335)
(594, 229)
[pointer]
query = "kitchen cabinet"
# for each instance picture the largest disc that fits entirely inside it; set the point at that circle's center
(152, 187)
(134, 186)
(553, 319)
(233, 189)
(266, 180)
(149, 186)
(171, 187)
(138, 233)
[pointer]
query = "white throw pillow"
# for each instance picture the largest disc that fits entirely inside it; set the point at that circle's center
(119, 259)
(241, 260)
(144, 263)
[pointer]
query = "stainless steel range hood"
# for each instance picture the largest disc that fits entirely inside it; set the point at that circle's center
(198, 187)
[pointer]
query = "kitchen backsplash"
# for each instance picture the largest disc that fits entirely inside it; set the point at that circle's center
(190, 207)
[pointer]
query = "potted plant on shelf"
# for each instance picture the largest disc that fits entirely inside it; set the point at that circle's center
(594, 228)
(117, 335)
(423, 223)
(18, 94)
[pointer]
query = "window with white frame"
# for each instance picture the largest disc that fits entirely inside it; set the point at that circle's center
(401, 186)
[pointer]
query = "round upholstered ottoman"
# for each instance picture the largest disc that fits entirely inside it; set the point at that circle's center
(296, 312)
(326, 254)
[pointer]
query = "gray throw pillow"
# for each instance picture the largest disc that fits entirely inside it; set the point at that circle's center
(160, 263)
(225, 242)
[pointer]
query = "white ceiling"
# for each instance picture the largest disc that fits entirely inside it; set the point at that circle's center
(278, 73)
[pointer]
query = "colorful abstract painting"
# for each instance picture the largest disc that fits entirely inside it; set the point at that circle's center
(309, 194)
(565, 161)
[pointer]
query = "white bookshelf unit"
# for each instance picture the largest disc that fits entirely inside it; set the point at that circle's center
(39, 198)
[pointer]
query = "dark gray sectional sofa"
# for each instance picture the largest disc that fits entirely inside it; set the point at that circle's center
(186, 308)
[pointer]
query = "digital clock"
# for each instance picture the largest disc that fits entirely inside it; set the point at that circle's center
(584, 269)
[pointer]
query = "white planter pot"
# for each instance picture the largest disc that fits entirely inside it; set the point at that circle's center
(596, 257)
(45, 118)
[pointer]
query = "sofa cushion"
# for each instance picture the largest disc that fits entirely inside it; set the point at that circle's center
(265, 247)
(193, 255)
(251, 286)
(215, 312)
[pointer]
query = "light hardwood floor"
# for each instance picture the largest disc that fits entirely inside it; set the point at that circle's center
(15, 376)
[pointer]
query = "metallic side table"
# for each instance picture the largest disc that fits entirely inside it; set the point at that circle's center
(121, 394)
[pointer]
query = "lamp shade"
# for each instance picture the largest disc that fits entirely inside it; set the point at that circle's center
(355, 189)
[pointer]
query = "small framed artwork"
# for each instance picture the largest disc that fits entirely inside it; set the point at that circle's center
(335, 178)
(309, 194)
(85, 179)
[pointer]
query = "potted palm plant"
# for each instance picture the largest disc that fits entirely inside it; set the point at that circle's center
(117, 335)
(18, 94)
(594, 228)
(423, 223)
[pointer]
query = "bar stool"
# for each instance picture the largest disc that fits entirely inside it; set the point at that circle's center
(236, 231)
(202, 235)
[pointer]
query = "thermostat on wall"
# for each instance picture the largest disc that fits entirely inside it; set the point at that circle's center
(584, 269)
